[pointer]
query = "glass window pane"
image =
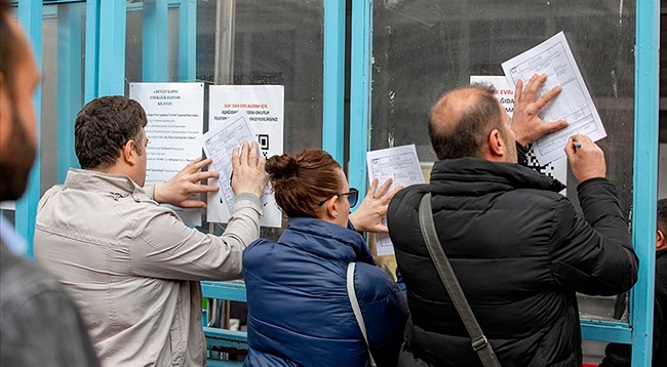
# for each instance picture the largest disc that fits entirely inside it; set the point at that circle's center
(272, 42)
(63, 43)
(49, 115)
(275, 42)
(133, 45)
(278, 43)
(423, 48)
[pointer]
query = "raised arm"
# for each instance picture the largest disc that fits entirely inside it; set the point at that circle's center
(370, 216)
(592, 255)
(169, 249)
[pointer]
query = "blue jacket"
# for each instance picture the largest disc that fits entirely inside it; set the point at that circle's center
(299, 313)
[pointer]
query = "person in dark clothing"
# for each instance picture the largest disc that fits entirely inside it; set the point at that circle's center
(299, 310)
(520, 250)
(619, 355)
(39, 324)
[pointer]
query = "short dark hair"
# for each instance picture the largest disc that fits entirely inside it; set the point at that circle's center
(303, 180)
(103, 126)
(662, 215)
(9, 47)
(466, 136)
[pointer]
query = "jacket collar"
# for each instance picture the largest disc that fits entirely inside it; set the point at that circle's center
(94, 181)
(325, 240)
(478, 176)
(660, 253)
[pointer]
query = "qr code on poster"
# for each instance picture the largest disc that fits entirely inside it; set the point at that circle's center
(263, 140)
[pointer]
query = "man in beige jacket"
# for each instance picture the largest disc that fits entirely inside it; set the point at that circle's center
(132, 266)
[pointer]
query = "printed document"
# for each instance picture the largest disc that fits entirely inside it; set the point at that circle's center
(218, 143)
(175, 113)
(574, 104)
(264, 106)
(400, 164)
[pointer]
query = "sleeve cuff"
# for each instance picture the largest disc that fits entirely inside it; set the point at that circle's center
(522, 153)
(150, 191)
(592, 181)
(245, 198)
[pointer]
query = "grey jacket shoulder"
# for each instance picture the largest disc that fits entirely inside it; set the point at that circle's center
(39, 324)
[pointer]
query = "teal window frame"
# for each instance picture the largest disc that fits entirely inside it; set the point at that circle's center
(105, 72)
(638, 331)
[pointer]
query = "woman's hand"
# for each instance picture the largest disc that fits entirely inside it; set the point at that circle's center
(370, 216)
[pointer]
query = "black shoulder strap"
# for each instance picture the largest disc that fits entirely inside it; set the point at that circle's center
(479, 342)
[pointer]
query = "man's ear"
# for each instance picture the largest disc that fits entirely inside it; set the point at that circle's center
(129, 152)
(496, 145)
(660, 240)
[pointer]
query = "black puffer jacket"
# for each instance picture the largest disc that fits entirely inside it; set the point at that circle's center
(520, 251)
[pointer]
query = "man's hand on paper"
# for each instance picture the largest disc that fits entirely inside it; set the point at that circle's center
(183, 189)
(248, 170)
(372, 210)
(585, 157)
(526, 122)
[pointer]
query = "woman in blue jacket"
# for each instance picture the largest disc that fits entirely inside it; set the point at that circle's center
(299, 312)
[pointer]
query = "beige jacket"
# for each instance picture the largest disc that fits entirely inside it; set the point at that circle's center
(133, 267)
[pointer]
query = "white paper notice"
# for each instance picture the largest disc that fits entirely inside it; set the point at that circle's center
(574, 104)
(175, 114)
(263, 106)
(505, 94)
(219, 142)
(401, 164)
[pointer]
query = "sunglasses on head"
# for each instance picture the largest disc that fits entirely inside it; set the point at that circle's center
(352, 197)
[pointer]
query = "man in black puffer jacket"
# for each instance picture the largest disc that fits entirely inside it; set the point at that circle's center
(520, 249)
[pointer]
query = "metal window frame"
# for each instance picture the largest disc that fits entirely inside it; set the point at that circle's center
(30, 18)
(104, 75)
(155, 41)
(638, 331)
(105, 69)
(105, 43)
(333, 103)
(105, 30)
